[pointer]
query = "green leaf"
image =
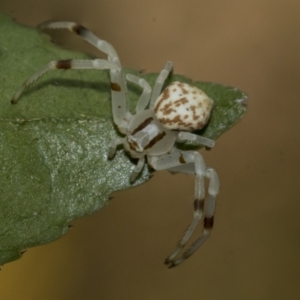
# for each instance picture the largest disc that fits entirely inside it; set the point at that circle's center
(54, 142)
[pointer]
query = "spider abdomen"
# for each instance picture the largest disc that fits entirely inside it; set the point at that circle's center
(183, 107)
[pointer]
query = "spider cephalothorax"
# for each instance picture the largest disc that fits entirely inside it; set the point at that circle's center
(161, 120)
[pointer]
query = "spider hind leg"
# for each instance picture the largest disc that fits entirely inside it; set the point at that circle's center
(191, 162)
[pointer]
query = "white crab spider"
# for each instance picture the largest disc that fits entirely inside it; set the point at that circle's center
(160, 121)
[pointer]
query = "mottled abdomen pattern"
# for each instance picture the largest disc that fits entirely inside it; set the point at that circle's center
(183, 107)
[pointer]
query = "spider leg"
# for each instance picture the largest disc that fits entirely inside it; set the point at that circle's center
(191, 162)
(120, 99)
(87, 35)
(209, 211)
(145, 96)
(114, 143)
(163, 75)
(112, 151)
(138, 168)
(99, 64)
(184, 136)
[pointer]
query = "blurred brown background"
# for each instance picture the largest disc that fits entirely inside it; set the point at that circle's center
(254, 250)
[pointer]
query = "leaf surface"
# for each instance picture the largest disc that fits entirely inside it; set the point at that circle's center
(54, 142)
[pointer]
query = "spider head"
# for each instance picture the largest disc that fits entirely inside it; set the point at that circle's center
(182, 106)
(147, 136)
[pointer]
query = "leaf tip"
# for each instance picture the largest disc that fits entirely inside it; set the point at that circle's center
(243, 101)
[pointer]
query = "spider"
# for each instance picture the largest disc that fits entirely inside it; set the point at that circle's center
(161, 120)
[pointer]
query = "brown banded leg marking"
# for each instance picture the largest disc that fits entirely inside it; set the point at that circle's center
(79, 29)
(64, 64)
(115, 87)
(198, 205)
(208, 223)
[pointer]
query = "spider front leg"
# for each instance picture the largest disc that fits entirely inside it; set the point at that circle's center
(163, 75)
(119, 92)
(146, 94)
(144, 99)
(191, 162)
(87, 35)
(95, 64)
